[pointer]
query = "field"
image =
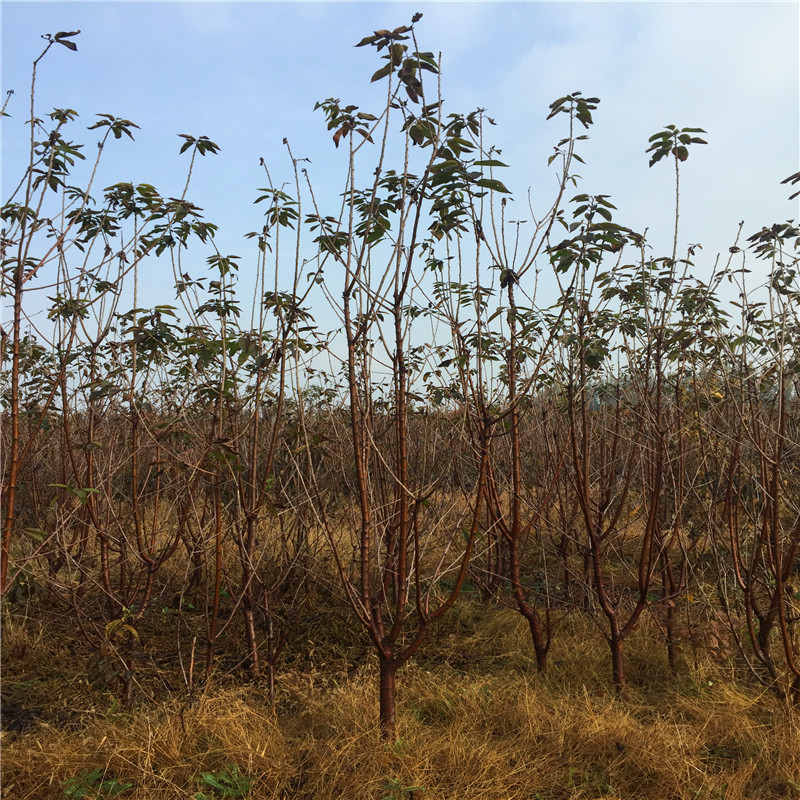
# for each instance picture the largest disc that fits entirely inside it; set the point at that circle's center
(428, 524)
(475, 720)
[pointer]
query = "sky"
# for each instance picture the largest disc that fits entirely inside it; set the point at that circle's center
(247, 74)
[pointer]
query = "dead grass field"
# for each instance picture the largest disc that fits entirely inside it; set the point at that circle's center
(476, 722)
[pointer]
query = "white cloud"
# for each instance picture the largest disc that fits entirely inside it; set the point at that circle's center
(729, 68)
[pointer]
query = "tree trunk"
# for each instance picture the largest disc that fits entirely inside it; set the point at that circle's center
(388, 698)
(541, 645)
(617, 660)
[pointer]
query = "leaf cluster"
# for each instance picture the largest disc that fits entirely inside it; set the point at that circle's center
(575, 105)
(62, 37)
(409, 68)
(344, 120)
(675, 141)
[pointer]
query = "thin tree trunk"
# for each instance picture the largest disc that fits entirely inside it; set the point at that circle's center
(388, 697)
(617, 659)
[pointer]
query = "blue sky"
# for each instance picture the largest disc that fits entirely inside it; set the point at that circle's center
(248, 74)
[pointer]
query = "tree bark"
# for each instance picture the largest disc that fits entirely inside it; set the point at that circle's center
(615, 642)
(388, 698)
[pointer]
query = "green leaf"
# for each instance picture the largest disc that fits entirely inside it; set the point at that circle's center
(396, 52)
(211, 779)
(382, 73)
(365, 134)
(81, 494)
(604, 212)
(494, 185)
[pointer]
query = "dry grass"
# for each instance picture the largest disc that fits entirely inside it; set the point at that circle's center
(475, 723)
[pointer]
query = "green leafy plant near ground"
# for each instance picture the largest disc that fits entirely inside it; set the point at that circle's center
(94, 785)
(397, 790)
(227, 783)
